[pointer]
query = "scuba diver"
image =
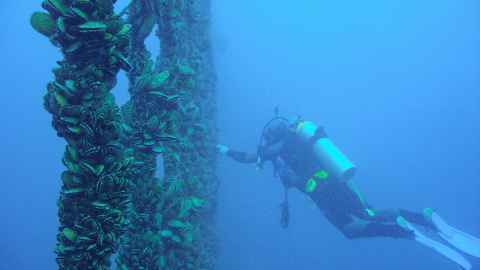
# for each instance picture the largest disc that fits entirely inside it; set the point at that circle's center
(303, 157)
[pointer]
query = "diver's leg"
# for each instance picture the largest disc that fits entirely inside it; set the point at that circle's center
(391, 215)
(354, 227)
(416, 218)
(354, 217)
(368, 229)
(386, 215)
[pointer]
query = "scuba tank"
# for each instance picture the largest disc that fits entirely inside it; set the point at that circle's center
(327, 153)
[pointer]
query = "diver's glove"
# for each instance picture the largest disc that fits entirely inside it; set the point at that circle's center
(222, 149)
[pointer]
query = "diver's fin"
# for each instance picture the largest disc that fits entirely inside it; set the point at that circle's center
(461, 240)
(446, 251)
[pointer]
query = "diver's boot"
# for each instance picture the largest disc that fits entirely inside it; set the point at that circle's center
(446, 251)
(461, 240)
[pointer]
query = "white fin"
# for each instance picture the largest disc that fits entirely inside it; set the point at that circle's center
(446, 251)
(461, 240)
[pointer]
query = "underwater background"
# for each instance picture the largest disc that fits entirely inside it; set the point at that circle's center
(395, 83)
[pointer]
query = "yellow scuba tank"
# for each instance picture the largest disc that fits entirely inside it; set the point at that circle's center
(327, 153)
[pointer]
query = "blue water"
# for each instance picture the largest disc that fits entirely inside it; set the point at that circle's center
(395, 83)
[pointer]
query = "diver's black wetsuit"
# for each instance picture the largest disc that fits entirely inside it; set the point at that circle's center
(341, 203)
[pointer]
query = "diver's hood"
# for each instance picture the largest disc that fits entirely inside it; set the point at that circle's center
(276, 132)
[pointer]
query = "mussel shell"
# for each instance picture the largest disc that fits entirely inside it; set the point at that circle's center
(55, 7)
(92, 26)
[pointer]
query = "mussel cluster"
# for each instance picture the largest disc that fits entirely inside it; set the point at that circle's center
(144, 135)
(94, 200)
(163, 232)
(145, 117)
(110, 197)
(189, 187)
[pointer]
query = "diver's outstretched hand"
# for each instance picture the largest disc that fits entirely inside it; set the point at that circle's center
(222, 149)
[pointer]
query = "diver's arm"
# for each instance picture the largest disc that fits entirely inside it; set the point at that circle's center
(242, 157)
(265, 153)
